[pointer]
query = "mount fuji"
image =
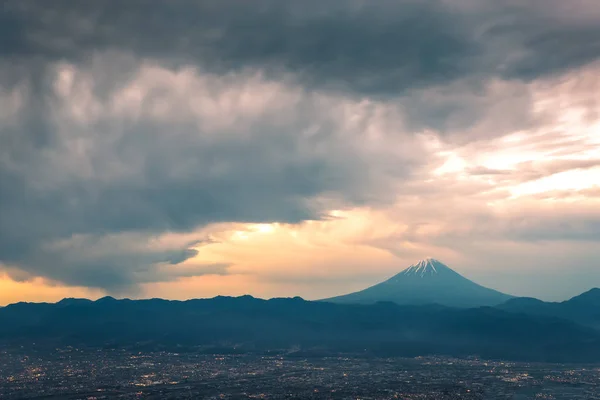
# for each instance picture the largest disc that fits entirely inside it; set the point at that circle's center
(427, 282)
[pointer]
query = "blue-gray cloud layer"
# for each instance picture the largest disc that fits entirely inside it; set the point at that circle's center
(372, 46)
(259, 169)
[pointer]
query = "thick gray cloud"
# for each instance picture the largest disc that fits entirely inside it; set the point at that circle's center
(367, 46)
(140, 118)
(376, 48)
(192, 149)
(344, 44)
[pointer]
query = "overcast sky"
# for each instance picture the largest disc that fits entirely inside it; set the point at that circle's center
(277, 148)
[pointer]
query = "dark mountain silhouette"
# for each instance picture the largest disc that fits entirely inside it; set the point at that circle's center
(426, 282)
(583, 309)
(72, 301)
(249, 324)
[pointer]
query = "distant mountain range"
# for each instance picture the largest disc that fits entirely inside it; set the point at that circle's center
(427, 282)
(372, 321)
(247, 324)
(583, 309)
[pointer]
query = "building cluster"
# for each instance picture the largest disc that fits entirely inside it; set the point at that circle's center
(71, 373)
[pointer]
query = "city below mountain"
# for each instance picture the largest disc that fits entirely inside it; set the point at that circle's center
(427, 282)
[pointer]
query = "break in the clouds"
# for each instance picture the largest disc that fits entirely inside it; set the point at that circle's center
(129, 129)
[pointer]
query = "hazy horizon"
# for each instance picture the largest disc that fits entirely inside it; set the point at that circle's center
(289, 295)
(194, 149)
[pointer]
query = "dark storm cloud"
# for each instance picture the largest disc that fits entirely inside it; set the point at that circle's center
(366, 46)
(550, 35)
(111, 172)
(102, 171)
(115, 263)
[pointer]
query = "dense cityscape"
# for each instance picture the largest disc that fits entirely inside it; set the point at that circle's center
(71, 373)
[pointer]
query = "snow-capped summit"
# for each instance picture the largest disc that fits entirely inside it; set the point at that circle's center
(425, 282)
(427, 266)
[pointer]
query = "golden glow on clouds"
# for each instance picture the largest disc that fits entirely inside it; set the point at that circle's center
(252, 230)
(360, 246)
(574, 180)
(39, 290)
(453, 164)
(529, 162)
(264, 228)
(314, 259)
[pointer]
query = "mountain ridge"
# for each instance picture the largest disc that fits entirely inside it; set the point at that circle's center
(583, 308)
(249, 324)
(428, 281)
